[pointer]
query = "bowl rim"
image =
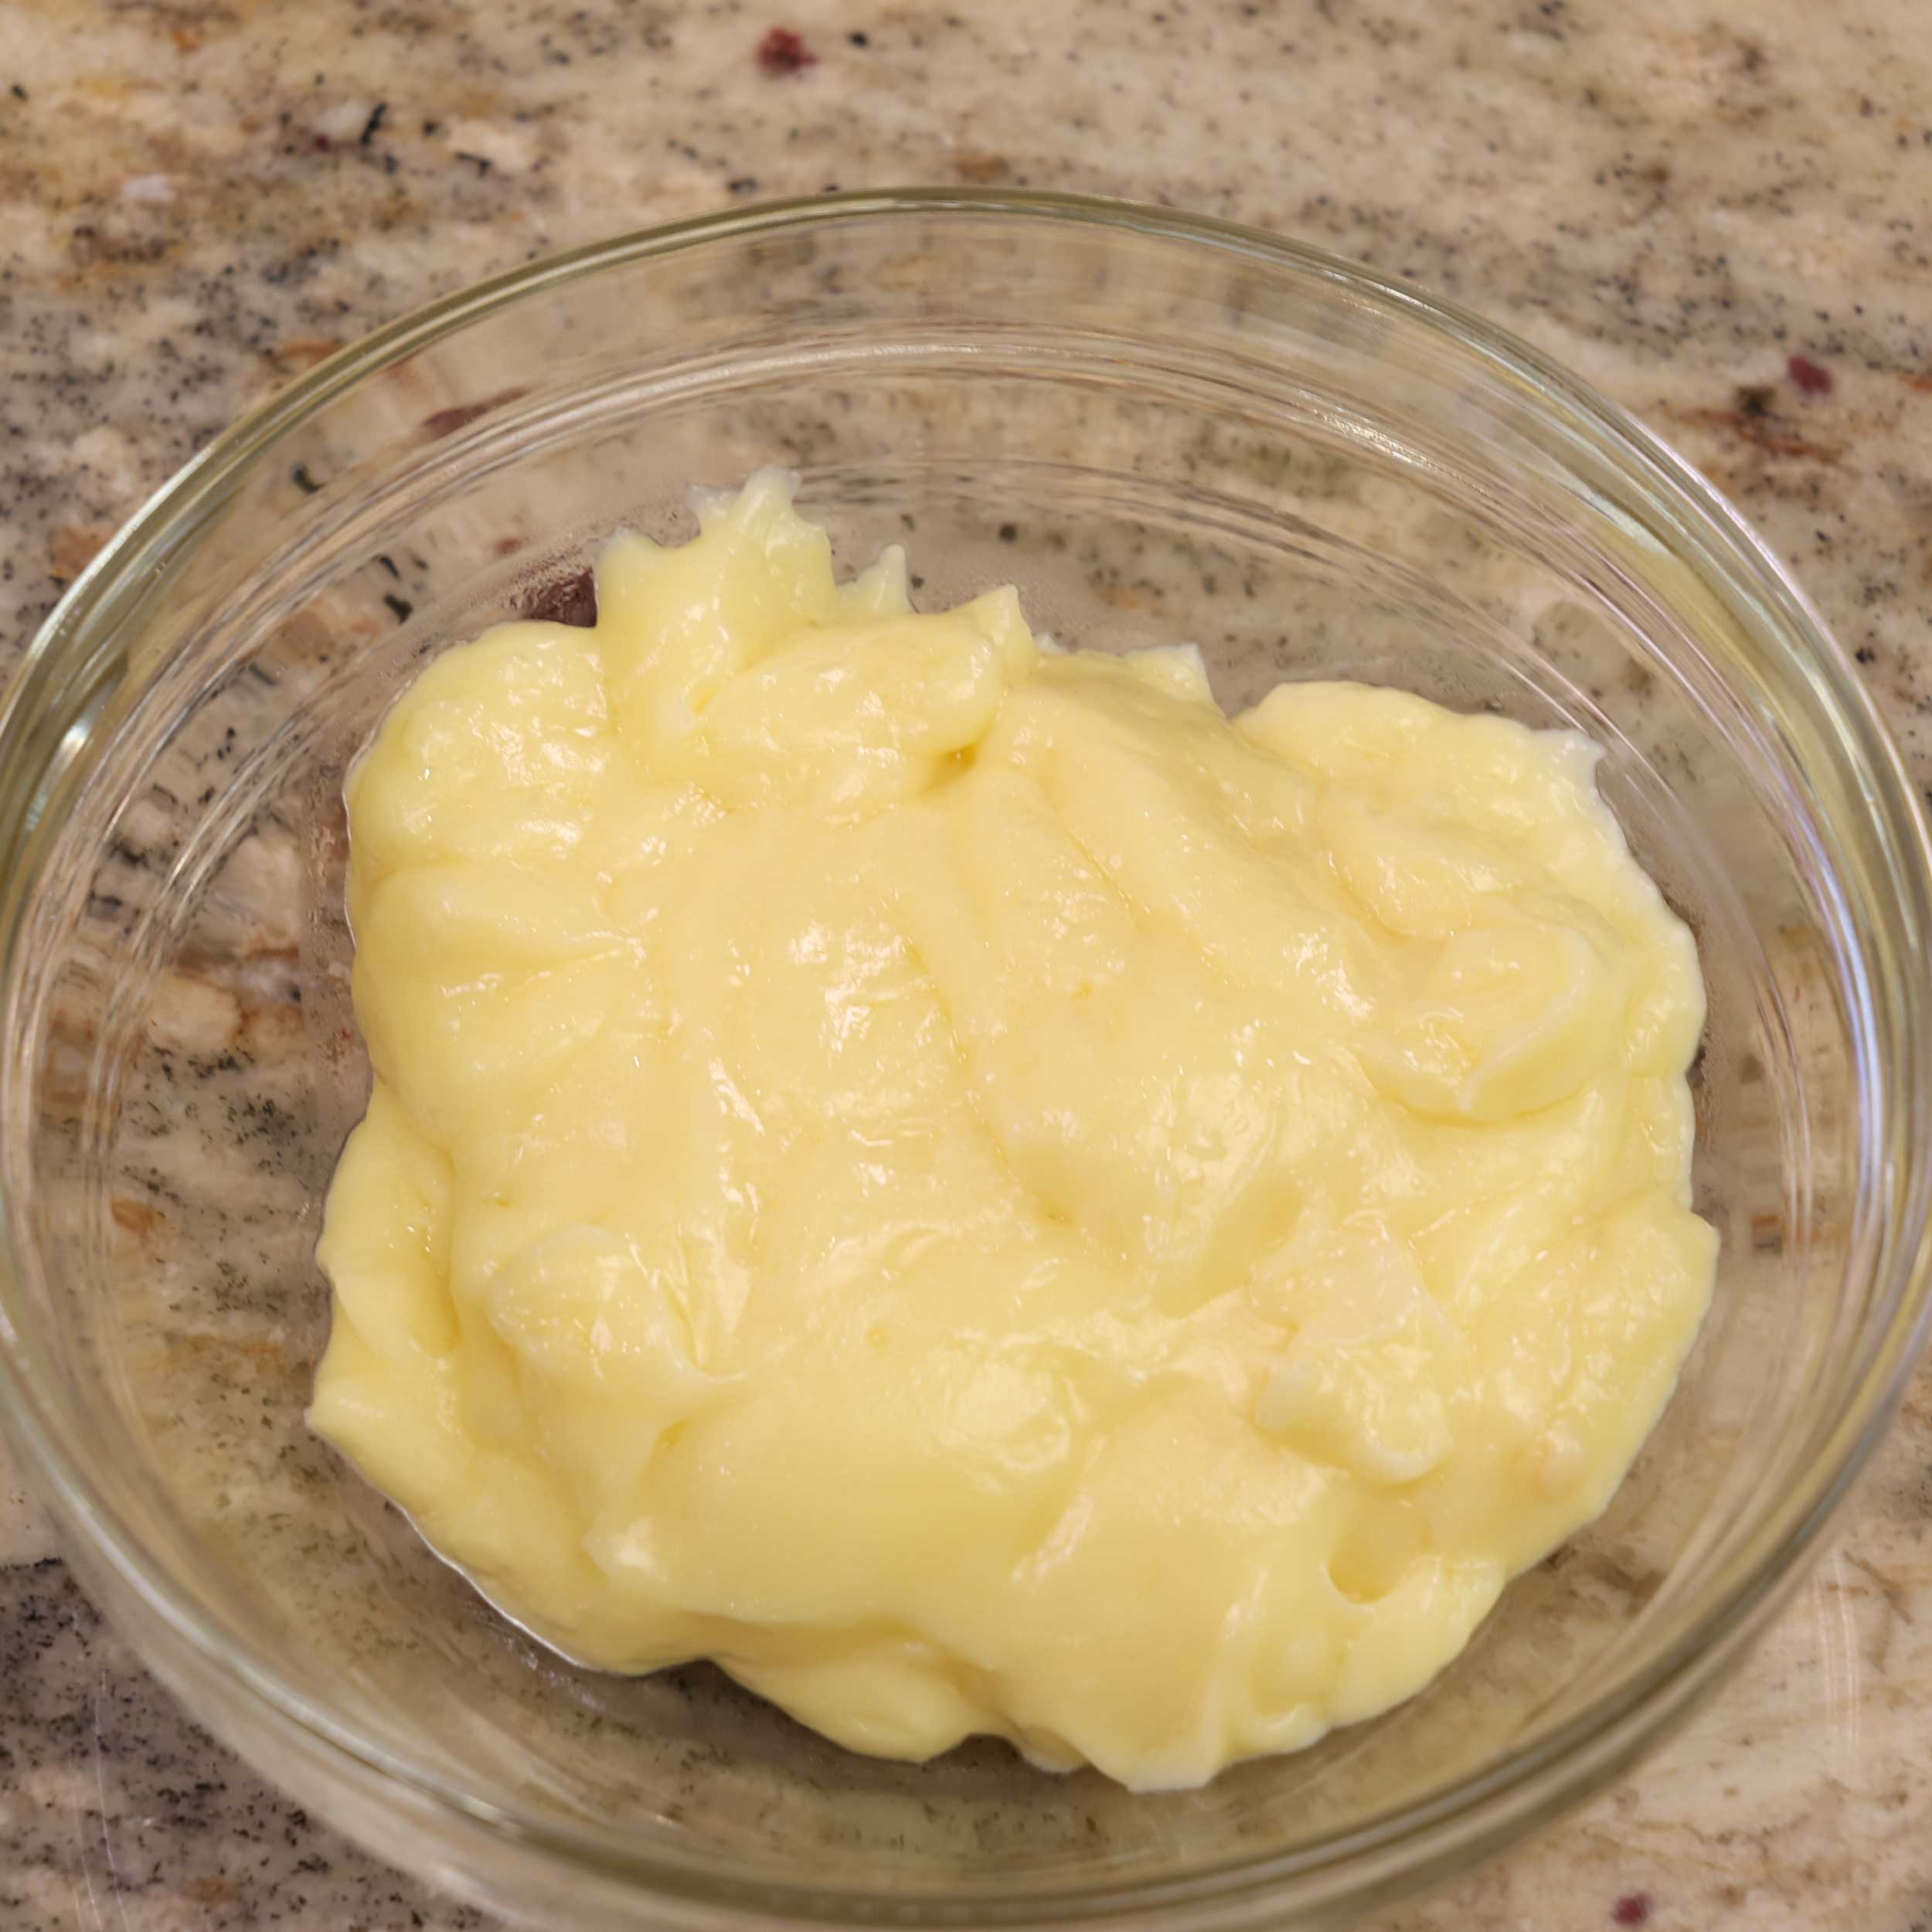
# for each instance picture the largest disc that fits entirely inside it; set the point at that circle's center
(1476, 1813)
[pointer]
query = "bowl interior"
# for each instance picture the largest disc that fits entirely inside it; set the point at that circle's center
(1156, 442)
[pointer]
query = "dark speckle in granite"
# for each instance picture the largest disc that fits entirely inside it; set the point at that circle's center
(783, 51)
(1812, 378)
(571, 600)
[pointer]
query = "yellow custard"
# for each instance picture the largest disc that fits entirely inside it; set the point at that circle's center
(957, 1181)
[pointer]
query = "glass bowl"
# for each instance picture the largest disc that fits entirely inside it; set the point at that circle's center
(1162, 429)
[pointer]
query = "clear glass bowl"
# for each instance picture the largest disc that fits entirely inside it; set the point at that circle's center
(1161, 429)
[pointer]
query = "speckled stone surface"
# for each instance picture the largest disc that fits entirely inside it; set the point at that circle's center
(1718, 214)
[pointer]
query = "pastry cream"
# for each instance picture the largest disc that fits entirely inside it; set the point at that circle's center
(952, 1178)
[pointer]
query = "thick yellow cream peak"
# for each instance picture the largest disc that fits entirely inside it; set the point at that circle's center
(956, 1180)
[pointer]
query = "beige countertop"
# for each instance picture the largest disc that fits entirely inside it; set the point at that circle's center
(1720, 215)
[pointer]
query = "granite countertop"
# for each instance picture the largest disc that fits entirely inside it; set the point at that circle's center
(1718, 214)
